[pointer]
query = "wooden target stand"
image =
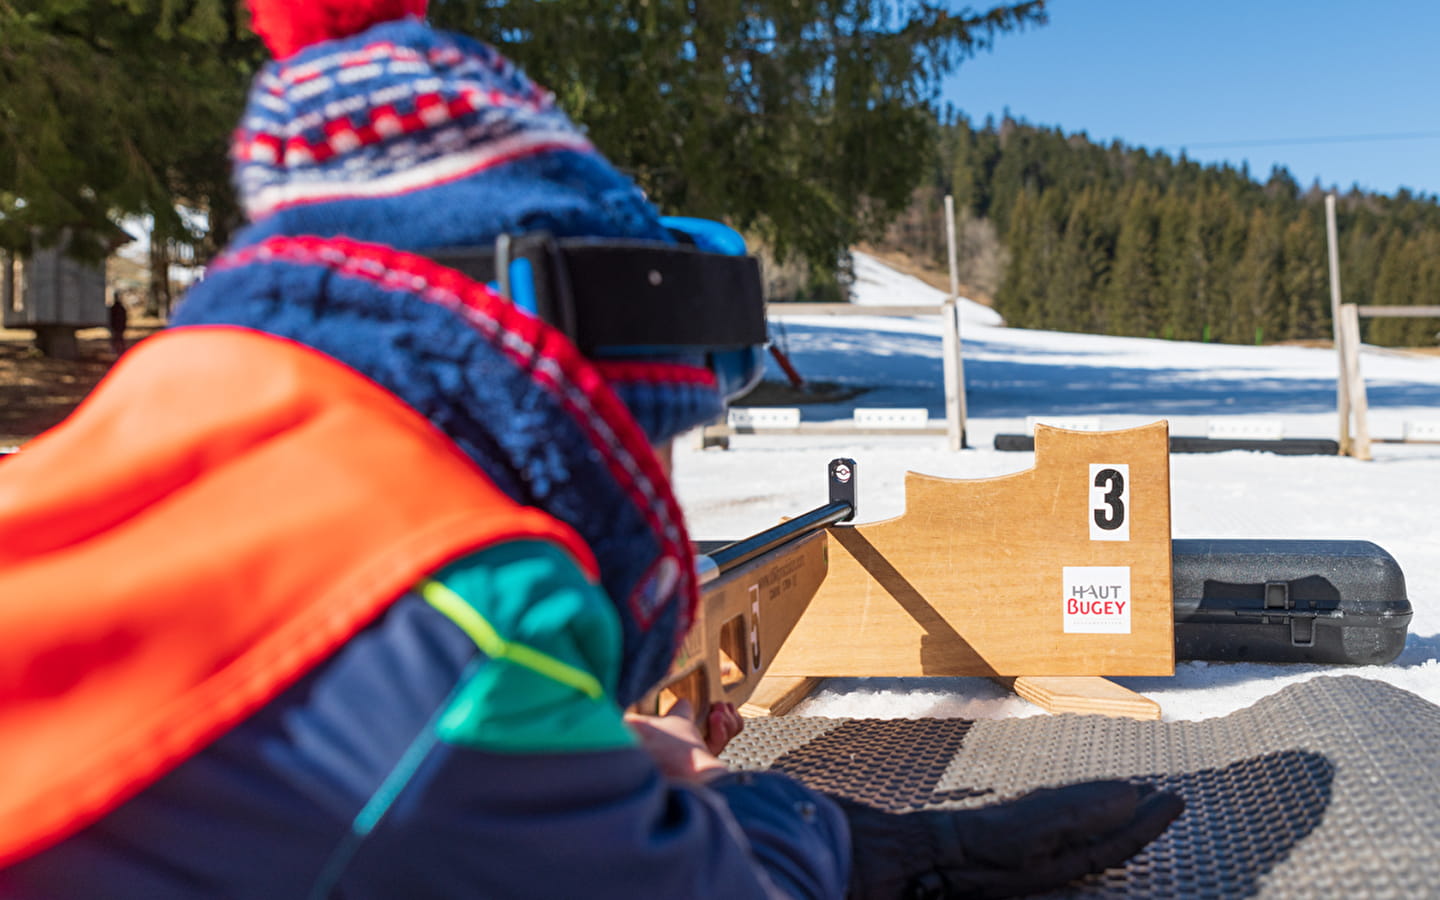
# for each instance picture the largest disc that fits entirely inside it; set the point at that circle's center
(1047, 579)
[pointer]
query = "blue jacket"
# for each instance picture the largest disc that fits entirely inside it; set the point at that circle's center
(468, 742)
(379, 775)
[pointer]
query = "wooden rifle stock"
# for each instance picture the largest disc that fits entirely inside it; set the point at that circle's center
(753, 591)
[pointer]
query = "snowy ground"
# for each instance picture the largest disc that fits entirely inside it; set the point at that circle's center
(1011, 374)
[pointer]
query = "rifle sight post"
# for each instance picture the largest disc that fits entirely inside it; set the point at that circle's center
(842, 485)
(841, 508)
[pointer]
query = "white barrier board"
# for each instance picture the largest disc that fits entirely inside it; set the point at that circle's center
(1422, 431)
(892, 417)
(1247, 429)
(1070, 423)
(764, 417)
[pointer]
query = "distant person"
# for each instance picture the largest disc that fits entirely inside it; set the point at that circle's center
(119, 321)
(344, 585)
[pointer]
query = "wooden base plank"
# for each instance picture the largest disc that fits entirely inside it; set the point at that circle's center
(1083, 694)
(777, 695)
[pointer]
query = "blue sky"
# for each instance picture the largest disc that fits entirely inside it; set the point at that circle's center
(1342, 92)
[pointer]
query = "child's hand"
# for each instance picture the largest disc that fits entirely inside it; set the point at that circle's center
(722, 723)
(675, 744)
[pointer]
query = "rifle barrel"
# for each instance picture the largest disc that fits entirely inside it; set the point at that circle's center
(711, 566)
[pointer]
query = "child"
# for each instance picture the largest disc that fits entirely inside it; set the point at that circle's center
(353, 572)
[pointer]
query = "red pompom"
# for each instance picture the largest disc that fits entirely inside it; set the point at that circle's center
(289, 26)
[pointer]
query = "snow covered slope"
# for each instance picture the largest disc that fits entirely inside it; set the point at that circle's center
(1014, 373)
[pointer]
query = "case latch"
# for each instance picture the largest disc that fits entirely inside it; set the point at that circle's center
(1277, 595)
(1278, 608)
(1302, 630)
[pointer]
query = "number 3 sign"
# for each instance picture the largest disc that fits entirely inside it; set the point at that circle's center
(1109, 502)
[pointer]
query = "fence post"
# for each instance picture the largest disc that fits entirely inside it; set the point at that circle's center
(953, 362)
(1350, 361)
(1342, 390)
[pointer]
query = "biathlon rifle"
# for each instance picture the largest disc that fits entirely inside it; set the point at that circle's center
(752, 592)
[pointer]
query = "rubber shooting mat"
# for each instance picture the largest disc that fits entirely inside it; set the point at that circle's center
(1330, 788)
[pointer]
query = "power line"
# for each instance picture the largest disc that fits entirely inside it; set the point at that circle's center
(1329, 139)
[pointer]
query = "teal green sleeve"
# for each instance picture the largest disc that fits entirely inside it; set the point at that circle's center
(550, 643)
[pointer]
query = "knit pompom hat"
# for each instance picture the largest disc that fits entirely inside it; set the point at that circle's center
(371, 125)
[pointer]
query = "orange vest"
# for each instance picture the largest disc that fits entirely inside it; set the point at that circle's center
(223, 512)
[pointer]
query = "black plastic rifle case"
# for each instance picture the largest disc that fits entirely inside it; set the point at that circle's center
(1288, 601)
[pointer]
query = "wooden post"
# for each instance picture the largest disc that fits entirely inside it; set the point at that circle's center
(7, 284)
(1350, 361)
(950, 243)
(952, 361)
(1342, 390)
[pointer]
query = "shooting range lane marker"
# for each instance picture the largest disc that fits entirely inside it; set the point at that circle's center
(1109, 502)
(967, 581)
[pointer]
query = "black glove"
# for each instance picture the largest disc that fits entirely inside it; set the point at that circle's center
(1033, 843)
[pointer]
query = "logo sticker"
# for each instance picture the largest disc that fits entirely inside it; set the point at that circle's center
(1097, 599)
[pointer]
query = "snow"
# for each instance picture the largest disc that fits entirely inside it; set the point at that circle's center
(1014, 373)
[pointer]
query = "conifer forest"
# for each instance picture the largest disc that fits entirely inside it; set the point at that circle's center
(1071, 235)
(810, 125)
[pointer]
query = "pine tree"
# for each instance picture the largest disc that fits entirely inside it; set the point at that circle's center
(1221, 227)
(114, 108)
(1426, 332)
(1178, 245)
(1255, 300)
(1304, 284)
(1084, 261)
(1133, 292)
(1021, 294)
(1361, 246)
(1055, 306)
(1397, 282)
(806, 121)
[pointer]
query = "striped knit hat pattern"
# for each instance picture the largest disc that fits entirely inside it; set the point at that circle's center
(372, 126)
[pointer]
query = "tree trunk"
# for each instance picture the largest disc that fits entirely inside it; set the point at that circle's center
(57, 341)
(7, 282)
(158, 300)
